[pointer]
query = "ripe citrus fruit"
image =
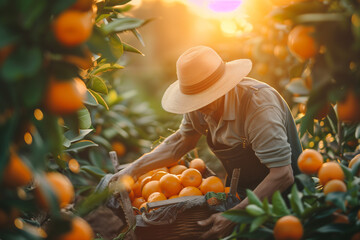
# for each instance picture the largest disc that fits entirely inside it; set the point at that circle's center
(165, 169)
(190, 191)
(143, 206)
(170, 185)
(191, 177)
(16, 172)
(138, 201)
(281, 52)
(74, 165)
(127, 182)
(288, 227)
(177, 169)
(198, 164)
(72, 27)
(348, 109)
(158, 175)
(212, 184)
(174, 196)
(156, 196)
(148, 174)
(353, 161)
(119, 148)
(334, 185)
(149, 188)
(137, 189)
(145, 181)
(65, 97)
(310, 161)
(62, 188)
(301, 43)
(80, 230)
(329, 171)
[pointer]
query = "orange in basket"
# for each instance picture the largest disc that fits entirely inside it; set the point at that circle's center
(156, 196)
(158, 175)
(138, 201)
(190, 191)
(198, 164)
(170, 185)
(149, 188)
(212, 184)
(177, 169)
(191, 177)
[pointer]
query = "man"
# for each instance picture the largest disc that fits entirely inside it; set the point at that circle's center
(247, 124)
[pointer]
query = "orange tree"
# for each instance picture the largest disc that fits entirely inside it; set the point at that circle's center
(53, 56)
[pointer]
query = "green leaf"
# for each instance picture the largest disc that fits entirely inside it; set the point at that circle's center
(347, 172)
(23, 62)
(238, 216)
(295, 201)
(122, 24)
(279, 205)
(253, 199)
(91, 202)
(60, 6)
(81, 145)
(8, 36)
(130, 48)
(98, 43)
(106, 67)
(98, 84)
(84, 118)
(116, 45)
(90, 99)
(297, 70)
(138, 36)
(94, 171)
(306, 181)
(258, 222)
(102, 141)
(254, 210)
(73, 138)
(99, 99)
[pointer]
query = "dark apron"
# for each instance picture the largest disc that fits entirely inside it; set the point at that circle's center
(242, 156)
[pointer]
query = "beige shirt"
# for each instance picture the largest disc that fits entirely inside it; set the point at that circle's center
(264, 128)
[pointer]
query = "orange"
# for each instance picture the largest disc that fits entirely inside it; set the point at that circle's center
(72, 27)
(16, 172)
(212, 184)
(127, 182)
(190, 191)
(177, 169)
(158, 175)
(301, 43)
(174, 196)
(334, 185)
(348, 108)
(143, 205)
(145, 181)
(156, 196)
(82, 5)
(148, 174)
(353, 161)
(170, 185)
(119, 148)
(74, 165)
(227, 190)
(8, 216)
(191, 177)
(62, 188)
(149, 188)
(131, 195)
(65, 97)
(288, 227)
(80, 230)
(329, 171)
(262, 68)
(310, 161)
(137, 189)
(138, 201)
(198, 164)
(340, 218)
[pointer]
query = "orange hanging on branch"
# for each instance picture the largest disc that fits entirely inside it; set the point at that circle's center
(301, 43)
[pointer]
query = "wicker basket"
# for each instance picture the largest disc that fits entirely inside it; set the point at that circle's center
(184, 227)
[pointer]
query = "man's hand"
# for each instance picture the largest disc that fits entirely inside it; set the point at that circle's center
(221, 226)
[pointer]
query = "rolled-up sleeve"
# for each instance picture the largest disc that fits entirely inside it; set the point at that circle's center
(267, 135)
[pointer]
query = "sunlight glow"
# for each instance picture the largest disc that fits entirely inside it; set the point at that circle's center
(228, 26)
(224, 5)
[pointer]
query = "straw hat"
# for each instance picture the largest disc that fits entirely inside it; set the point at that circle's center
(203, 77)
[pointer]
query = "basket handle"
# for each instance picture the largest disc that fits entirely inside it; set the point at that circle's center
(234, 181)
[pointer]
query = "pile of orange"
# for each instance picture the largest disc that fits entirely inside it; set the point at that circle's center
(172, 182)
(330, 174)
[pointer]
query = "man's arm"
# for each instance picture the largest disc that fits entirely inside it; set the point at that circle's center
(279, 178)
(169, 151)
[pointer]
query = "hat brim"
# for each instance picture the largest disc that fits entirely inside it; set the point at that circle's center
(175, 101)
